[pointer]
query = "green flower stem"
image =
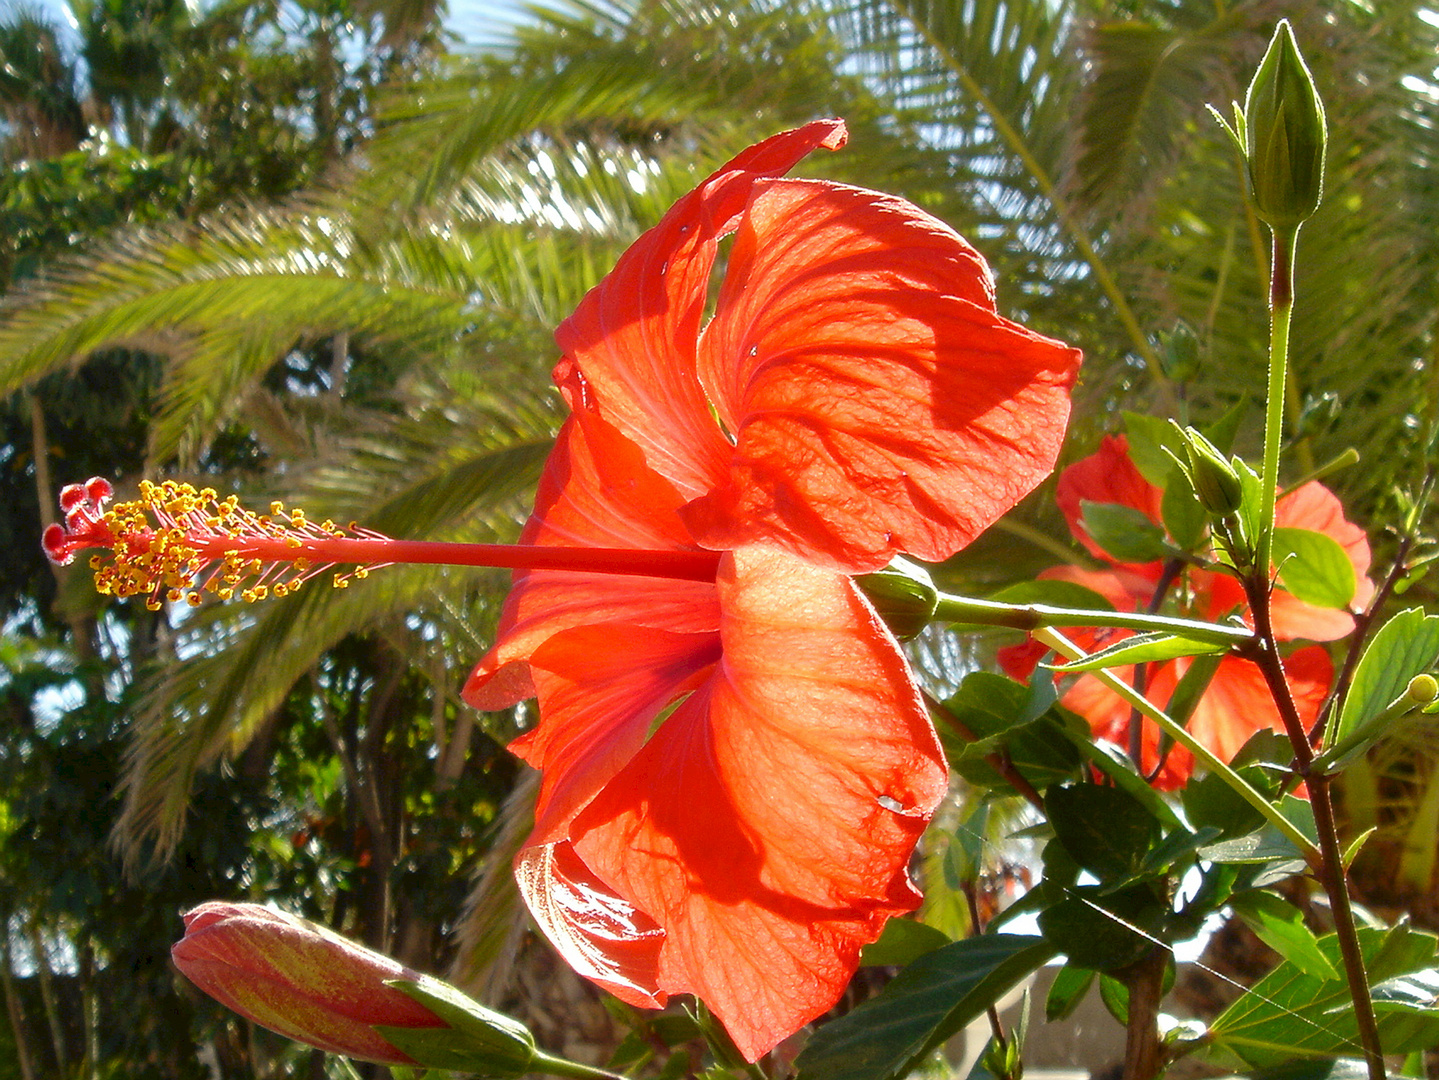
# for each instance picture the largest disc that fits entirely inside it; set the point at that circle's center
(965, 609)
(555, 1066)
(1281, 308)
(1070, 651)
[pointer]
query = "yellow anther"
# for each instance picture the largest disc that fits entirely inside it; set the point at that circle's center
(193, 599)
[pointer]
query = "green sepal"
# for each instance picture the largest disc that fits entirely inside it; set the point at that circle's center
(478, 1040)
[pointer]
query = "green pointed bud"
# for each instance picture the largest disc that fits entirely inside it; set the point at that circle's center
(903, 594)
(1284, 135)
(1215, 482)
(1179, 352)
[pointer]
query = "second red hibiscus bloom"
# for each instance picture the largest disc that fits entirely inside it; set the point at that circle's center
(1237, 702)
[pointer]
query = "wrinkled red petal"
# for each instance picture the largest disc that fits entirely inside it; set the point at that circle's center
(601, 687)
(1106, 476)
(634, 335)
(878, 402)
(596, 491)
(767, 824)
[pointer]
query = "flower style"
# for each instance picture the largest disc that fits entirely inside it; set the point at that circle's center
(1237, 702)
(736, 771)
(737, 761)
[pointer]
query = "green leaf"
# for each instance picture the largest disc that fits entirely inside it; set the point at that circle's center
(1123, 532)
(1104, 930)
(902, 942)
(1054, 593)
(1405, 646)
(927, 1003)
(1149, 438)
(995, 710)
(1280, 925)
(1142, 649)
(1104, 829)
(1269, 845)
(1210, 801)
(1066, 991)
(1314, 567)
(1290, 1013)
(1183, 515)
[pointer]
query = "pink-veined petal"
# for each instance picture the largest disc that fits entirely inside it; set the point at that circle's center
(878, 402)
(767, 825)
(599, 935)
(635, 334)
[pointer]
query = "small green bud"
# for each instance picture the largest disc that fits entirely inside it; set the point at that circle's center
(1215, 481)
(903, 594)
(1179, 352)
(1284, 135)
(1423, 689)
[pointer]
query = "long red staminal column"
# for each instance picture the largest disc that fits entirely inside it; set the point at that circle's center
(374, 551)
(176, 543)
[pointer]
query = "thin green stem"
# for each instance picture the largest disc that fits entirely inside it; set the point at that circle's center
(966, 609)
(1070, 651)
(1281, 309)
(555, 1066)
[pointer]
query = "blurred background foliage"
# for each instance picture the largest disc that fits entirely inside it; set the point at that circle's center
(315, 251)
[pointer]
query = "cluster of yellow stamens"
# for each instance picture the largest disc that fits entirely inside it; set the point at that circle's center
(176, 543)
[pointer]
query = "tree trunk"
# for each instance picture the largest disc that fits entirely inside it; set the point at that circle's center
(13, 1007)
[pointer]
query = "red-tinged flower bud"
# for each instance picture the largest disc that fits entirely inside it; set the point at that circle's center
(299, 979)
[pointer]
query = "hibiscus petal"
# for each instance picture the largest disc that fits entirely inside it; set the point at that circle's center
(596, 491)
(634, 335)
(599, 935)
(878, 402)
(768, 823)
(1238, 702)
(600, 689)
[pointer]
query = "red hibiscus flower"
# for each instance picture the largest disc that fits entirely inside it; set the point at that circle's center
(1237, 702)
(737, 761)
(736, 770)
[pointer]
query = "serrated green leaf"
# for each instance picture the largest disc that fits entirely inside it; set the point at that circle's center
(1280, 925)
(1104, 930)
(1290, 1014)
(927, 1003)
(1314, 567)
(1405, 646)
(1104, 829)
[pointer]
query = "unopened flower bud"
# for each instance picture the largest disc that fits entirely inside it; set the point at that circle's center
(1284, 135)
(903, 594)
(299, 979)
(1215, 481)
